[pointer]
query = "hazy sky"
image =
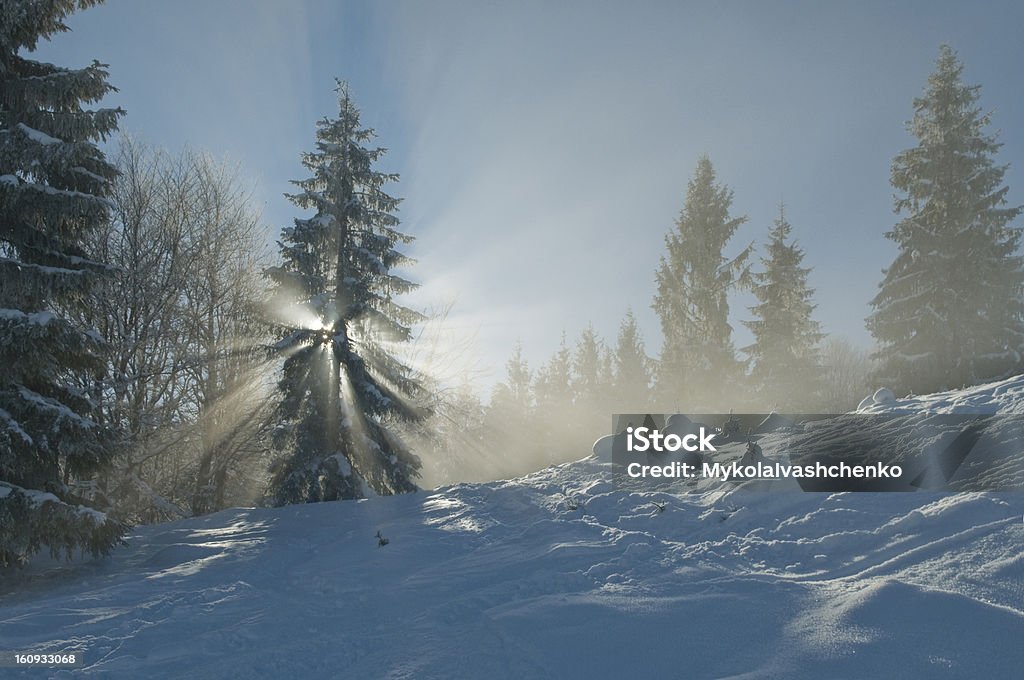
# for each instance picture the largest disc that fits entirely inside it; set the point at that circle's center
(545, 147)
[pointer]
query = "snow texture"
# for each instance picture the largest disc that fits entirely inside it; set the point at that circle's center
(55, 408)
(1003, 397)
(37, 136)
(560, 574)
(12, 425)
(35, 318)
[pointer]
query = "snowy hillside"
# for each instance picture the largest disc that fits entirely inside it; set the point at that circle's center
(555, 575)
(1003, 397)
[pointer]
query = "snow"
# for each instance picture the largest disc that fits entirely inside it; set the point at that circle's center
(372, 391)
(559, 574)
(62, 271)
(15, 427)
(54, 407)
(88, 173)
(344, 467)
(1003, 397)
(35, 318)
(883, 396)
(37, 136)
(106, 202)
(37, 498)
(96, 516)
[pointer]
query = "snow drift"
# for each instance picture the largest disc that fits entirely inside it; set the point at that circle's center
(559, 574)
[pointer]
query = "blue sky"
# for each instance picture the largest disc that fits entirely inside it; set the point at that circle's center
(545, 147)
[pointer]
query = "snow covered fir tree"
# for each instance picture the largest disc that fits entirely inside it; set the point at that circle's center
(53, 182)
(698, 367)
(342, 382)
(949, 311)
(785, 367)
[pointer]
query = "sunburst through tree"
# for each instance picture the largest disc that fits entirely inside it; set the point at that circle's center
(334, 299)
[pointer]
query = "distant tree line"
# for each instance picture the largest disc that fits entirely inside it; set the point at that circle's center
(948, 312)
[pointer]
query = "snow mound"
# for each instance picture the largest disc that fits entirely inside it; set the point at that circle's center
(883, 396)
(603, 448)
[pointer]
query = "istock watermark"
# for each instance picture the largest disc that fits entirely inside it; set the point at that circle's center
(818, 452)
(645, 439)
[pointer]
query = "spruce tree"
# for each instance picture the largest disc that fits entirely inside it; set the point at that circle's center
(949, 310)
(786, 373)
(555, 420)
(553, 384)
(631, 370)
(509, 414)
(592, 387)
(588, 378)
(511, 402)
(518, 381)
(342, 381)
(53, 183)
(698, 364)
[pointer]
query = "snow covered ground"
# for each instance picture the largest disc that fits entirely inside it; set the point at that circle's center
(559, 574)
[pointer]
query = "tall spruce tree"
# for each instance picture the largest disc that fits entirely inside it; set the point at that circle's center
(786, 369)
(949, 311)
(53, 182)
(698, 366)
(342, 382)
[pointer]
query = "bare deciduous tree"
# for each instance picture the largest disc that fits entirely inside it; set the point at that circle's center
(185, 372)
